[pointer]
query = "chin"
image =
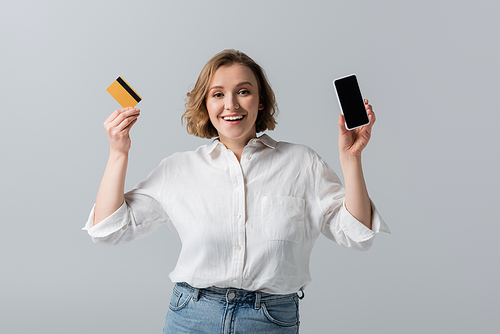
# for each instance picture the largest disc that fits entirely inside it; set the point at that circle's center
(237, 135)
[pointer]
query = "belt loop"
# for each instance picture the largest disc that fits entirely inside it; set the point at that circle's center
(257, 300)
(196, 294)
(302, 295)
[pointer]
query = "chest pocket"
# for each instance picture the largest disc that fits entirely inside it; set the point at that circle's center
(283, 218)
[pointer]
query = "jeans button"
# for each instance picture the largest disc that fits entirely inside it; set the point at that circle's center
(231, 295)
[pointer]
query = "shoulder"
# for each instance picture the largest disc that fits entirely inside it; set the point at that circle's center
(302, 154)
(188, 156)
(297, 150)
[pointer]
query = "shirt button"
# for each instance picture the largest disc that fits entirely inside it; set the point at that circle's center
(238, 248)
(254, 141)
(239, 188)
(235, 281)
(239, 216)
(249, 157)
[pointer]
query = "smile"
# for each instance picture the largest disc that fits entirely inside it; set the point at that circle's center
(233, 118)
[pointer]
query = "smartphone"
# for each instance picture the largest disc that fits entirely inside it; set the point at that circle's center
(351, 102)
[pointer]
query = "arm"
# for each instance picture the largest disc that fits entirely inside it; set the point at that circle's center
(351, 144)
(110, 195)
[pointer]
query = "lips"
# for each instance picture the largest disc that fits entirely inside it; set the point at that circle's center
(233, 118)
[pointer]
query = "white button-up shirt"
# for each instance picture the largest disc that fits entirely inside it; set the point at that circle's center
(249, 225)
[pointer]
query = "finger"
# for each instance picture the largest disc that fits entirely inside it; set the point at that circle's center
(124, 114)
(372, 117)
(368, 127)
(127, 123)
(129, 112)
(116, 125)
(341, 123)
(370, 112)
(129, 126)
(113, 116)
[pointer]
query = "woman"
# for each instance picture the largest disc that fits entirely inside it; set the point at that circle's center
(247, 209)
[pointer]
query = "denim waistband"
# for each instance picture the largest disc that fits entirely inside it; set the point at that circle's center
(230, 295)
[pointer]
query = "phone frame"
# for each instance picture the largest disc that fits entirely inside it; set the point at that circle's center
(340, 104)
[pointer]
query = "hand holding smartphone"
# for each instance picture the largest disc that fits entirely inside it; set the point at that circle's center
(351, 102)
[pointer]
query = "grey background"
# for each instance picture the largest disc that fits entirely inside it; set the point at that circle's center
(430, 69)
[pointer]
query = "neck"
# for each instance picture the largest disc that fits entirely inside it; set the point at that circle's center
(236, 145)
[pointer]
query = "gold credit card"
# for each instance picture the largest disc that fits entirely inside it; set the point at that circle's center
(123, 93)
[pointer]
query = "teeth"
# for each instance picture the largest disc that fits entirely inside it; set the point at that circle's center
(232, 118)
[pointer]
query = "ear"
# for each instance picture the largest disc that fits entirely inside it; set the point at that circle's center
(261, 106)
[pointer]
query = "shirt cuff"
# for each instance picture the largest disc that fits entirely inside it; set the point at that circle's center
(356, 230)
(117, 220)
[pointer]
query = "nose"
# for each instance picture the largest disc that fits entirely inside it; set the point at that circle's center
(231, 102)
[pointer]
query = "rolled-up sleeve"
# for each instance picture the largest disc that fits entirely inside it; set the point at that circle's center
(346, 230)
(140, 214)
(337, 222)
(116, 221)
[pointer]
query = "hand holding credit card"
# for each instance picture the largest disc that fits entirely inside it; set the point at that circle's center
(123, 93)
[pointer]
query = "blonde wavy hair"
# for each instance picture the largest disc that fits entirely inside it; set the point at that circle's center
(196, 115)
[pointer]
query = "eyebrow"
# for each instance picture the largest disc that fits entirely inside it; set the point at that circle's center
(240, 84)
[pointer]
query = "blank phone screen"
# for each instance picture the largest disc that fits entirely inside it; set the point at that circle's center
(351, 102)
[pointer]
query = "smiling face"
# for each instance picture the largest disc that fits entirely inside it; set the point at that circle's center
(233, 104)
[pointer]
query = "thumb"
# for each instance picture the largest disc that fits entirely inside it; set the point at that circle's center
(341, 123)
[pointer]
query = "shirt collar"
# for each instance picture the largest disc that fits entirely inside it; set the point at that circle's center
(212, 146)
(264, 139)
(268, 141)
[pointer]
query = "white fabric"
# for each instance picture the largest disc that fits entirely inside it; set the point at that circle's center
(248, 225)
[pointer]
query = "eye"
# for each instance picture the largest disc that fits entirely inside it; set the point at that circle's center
(244, 92)
(216, 95)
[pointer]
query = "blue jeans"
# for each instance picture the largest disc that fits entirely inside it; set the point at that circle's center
(228, 311)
